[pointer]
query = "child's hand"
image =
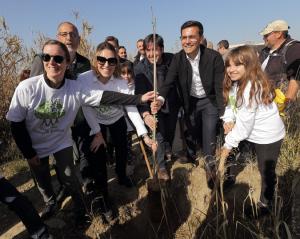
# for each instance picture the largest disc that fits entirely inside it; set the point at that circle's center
(228, 126)
(98, 140)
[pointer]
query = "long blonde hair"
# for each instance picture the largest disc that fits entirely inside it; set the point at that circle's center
(261, 87)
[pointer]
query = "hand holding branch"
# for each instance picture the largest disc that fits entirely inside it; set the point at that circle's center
(156, 106)
(149, 96)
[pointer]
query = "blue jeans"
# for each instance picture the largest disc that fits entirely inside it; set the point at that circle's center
(23, 208)
(160, 153)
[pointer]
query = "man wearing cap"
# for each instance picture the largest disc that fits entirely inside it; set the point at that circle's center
(281, 58)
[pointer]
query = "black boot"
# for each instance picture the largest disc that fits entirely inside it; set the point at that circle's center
(102, 205)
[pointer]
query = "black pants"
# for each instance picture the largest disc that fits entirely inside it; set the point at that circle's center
(93, 169)
(22, 207)
(93, 166)
(267, 156)
(205, 115)
(118, 133)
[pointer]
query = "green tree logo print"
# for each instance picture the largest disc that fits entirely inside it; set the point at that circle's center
(50, 112)
(104, 109)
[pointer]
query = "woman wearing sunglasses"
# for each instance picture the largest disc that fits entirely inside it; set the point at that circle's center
(105, 76)
(42, 111)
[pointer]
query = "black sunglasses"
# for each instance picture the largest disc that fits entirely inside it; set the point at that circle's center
(111, 61)
(58, 59)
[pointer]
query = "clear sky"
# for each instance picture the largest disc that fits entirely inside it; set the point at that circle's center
(129, 20)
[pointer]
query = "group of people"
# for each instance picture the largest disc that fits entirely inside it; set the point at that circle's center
(70, 99)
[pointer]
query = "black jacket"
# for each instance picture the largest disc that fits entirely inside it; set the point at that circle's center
(144, 81)
(283, 63)
(137, 59)
(211, 68)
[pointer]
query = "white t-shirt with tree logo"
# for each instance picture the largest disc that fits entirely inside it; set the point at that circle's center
(49, 113)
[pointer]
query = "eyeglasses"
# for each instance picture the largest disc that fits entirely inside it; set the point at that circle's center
(57, 59)
(111, 61)
(65, 34)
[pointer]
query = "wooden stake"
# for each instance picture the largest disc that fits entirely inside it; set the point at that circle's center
(146, 159)
(154, 85)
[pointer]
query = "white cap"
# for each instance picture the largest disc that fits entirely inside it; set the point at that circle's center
(275, 26)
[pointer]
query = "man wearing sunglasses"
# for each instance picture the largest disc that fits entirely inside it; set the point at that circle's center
(67, 33)
(281, 58)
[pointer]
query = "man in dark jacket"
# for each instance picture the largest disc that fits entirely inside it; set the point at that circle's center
(281, 58)
(67, 33)
(167, 117)
(141, 51)
(198, 73)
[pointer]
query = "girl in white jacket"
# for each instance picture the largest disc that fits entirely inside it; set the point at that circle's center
(252, 115)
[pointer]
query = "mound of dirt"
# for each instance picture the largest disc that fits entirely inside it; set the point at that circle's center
(183, 208)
